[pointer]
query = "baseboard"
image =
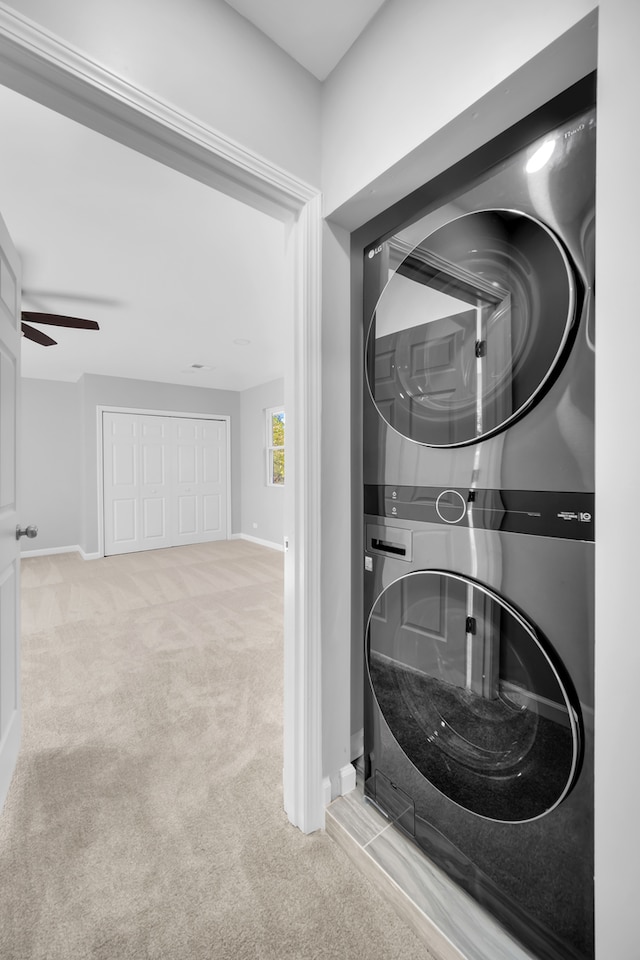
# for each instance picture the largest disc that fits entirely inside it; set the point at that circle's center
(326, 791)
(344, 782)
(90, 556)
(50, 551)
(76, 548)
(347, 779)
(262, 543)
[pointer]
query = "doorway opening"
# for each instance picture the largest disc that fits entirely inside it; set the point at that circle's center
(48, 72)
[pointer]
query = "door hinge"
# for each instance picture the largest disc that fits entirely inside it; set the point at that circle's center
(481, 348)
(470, 626)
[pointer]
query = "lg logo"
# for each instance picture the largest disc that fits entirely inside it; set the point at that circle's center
(583, 516)
(373, 252)
(571, 133)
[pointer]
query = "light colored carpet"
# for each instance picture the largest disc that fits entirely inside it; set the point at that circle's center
(145, 819)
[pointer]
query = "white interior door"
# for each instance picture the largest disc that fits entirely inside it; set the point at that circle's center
(10, 335)
(155, 455)
(136, 486)
(165, 481)
(201, 481)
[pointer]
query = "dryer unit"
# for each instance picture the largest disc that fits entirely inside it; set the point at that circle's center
(479, 529)
(479, 329)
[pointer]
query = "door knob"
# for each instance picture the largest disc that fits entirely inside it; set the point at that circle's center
(31, 531)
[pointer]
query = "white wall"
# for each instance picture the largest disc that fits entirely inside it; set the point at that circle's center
(50, 489)
(617, 470)
(206, 60)
(420, 65)
(262, 506)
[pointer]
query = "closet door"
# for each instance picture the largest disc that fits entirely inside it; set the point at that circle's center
(138, 455)
(165, 481)
(201, 481)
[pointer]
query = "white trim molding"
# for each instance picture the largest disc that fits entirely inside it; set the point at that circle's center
(302, 781)
(46, 68)
(52, 551)
(346, 779)
(90, 556)
(344, 782)
(49, 551)
(326, 791)
(262, 543)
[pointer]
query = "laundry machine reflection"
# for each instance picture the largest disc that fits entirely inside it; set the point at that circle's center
(470, 326)
(479, 330)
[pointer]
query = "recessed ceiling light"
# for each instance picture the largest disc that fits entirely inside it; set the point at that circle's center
(242, 342)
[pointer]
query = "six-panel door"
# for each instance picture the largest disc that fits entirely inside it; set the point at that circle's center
(165, 481)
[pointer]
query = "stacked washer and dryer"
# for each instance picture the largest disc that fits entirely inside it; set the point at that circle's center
(479, 526)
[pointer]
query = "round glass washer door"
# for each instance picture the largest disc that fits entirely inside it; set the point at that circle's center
(472, 697)
(470, 327)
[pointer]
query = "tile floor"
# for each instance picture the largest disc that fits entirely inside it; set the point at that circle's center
(452, 925)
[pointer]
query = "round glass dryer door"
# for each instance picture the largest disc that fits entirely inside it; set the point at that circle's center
(469, 328)
(472, 697)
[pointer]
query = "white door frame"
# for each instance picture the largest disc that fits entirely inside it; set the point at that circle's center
(46, 68)
(100, 409)
(10, 515)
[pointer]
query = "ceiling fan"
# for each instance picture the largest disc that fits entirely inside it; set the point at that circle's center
(55, 320)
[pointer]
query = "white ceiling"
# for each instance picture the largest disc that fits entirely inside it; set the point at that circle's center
(174, 272)
(316, 34)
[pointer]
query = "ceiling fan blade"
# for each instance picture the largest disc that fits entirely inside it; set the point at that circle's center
(56, 320)
(37, 336)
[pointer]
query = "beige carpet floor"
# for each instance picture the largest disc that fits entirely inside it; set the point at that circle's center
(145, 819)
